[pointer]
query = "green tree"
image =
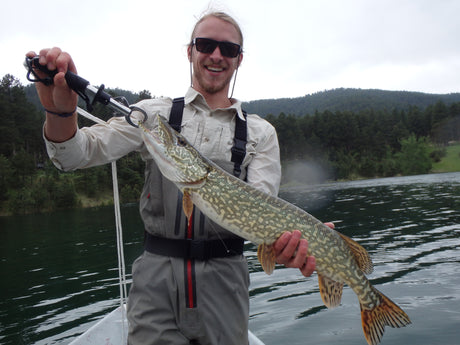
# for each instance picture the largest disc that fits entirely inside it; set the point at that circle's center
(64, 194)
(20, 127)
(20, 201)
(414, 157)
(144, 94)
(6, 176)
(388, 165)
(23, 166)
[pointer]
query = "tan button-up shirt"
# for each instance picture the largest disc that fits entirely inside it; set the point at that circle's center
(209, 131)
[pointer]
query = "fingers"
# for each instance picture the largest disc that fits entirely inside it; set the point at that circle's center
(65, 63)
(309, 267)
(292, 251)
(300, 257)
(331, 225)
(56, 59)
(48, 57)
(286, 246)
(57, 97)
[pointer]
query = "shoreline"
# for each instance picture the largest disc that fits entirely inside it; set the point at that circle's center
(107, 199)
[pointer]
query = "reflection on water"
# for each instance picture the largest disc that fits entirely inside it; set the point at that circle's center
(59, 270)
(411, 228)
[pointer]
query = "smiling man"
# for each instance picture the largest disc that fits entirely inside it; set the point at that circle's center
(190, 286)
(215, 52)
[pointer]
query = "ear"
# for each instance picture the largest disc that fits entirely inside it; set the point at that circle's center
(189, 52)
(240, 59)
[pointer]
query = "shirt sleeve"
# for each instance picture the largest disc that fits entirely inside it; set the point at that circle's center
(264, 171)
(105, 143)
(95, 145)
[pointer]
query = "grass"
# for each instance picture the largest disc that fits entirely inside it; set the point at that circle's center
(449, 163)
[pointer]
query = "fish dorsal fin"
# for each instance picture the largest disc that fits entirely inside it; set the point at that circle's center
(331, 291)
(267, 258)
(360, 254)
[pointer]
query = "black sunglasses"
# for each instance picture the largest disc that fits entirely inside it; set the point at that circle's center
(207, 46)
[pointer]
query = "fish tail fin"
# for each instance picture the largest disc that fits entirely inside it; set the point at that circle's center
(386, 313)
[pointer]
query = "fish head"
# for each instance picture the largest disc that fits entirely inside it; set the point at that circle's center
(176, 158)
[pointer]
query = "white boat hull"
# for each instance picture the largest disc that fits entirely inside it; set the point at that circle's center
(113, 329)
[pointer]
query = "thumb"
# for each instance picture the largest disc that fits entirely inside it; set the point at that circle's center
(64, 98)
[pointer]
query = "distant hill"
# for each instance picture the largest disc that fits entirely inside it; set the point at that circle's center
(353, 100)
(32, 96)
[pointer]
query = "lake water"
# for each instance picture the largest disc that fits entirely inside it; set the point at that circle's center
(59, 271)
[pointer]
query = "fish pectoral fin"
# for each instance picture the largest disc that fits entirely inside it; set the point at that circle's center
(386, 313)
(331, 291)
(362, 257)
(187, 204)
(267, 258)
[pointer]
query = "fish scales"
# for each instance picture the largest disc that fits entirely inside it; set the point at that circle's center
(262, 218)
(265, 218)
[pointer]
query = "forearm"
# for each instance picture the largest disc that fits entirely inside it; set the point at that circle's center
(59, 129)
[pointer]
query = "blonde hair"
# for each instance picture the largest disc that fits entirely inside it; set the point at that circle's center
(222, 16)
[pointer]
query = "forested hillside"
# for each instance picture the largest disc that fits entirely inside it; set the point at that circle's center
(368, 143)
(29, 182)
(353, 100)
(377, 138)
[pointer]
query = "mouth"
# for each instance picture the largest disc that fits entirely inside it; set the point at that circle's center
(215, 69)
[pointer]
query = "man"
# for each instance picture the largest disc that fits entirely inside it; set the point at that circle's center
(177, 298)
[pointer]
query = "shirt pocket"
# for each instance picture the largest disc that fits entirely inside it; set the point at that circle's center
(213, 140)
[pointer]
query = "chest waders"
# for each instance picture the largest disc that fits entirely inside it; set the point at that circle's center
(189, 248)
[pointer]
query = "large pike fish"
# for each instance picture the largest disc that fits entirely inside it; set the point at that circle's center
(261, 219)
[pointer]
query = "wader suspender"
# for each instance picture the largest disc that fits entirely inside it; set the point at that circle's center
(239, 142)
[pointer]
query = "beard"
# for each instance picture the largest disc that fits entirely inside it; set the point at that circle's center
(210, 85)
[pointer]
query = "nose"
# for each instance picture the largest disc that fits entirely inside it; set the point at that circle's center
(216, 54)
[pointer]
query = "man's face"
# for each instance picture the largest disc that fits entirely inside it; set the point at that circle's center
(212, 72)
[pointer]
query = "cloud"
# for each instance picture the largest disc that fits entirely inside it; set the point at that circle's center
(291, 48)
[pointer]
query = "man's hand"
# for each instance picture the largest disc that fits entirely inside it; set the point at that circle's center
(292, 251)
(58, 97)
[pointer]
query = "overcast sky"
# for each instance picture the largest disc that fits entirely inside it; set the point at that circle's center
(292, 47)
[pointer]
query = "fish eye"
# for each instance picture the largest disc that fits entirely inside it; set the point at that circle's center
(181, 141)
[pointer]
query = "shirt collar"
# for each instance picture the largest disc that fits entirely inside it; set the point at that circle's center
(194, 97)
